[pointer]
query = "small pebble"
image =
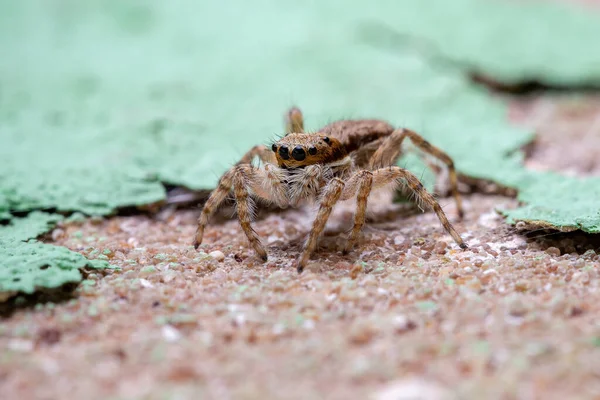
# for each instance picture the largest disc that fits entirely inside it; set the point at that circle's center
(398, 240)
(402, 324)
(168, 276)
(362, 334)
(412, 389)
(20, 345)
(553, 251)
(517, 308)
(355, 271)
(521, 286)
(309, 324)
(146, 283)
(217, 255)
(58, 234)
(170, 334)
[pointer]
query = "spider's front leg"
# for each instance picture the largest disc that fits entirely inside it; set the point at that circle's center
(264, 154)
(361, 182)
(331, 194)
(391, 148)
(263, 182)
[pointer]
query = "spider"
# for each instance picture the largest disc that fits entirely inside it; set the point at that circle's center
(344, 159)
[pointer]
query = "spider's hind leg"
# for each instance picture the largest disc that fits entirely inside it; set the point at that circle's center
(391, 148)
(396, 175)
(294, 121)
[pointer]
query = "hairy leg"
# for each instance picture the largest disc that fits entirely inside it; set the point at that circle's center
(396, 175)
(265, 154)
(241, 182)
(268, 184)
(294, 121)
(361, 183)
(331, 195)
(392, 146)
(264, 183)
(212, 204)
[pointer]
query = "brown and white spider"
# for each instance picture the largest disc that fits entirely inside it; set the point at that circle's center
(344, 159)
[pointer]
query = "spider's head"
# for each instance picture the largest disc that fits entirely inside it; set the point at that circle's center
(297, 150)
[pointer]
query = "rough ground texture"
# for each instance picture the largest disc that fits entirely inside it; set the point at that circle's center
(513, 317)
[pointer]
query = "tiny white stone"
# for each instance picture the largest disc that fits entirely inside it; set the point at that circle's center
(365, 254)
(382, 291)
(240, 319)
(489, 220)
(20, 345)
(309, 324)
(278, 329)
(57, 234)
(168, 277)
(411, 389)
(146, 283)
(170, 334)
(217, 255)
(233, 307)
(49, 366)
(272, 239)
(401, 322)
(399, 239)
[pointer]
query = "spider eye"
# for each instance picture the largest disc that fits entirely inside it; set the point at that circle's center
(298, 153)
(326, 140)
(283, 153)
(274, 148)
(312, 150)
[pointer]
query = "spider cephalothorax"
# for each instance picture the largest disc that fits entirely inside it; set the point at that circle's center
(301, 149)
(343, 160)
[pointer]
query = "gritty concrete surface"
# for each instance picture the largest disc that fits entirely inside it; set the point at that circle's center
(406, 315)
(513, 317)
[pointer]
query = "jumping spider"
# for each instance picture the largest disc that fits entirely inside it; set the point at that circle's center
(344, 159)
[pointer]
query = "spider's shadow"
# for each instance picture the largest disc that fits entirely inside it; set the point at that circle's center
(335, 234)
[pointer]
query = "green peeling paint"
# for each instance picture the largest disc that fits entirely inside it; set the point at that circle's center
(552, 201)
(509, 41)
(26, 265)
